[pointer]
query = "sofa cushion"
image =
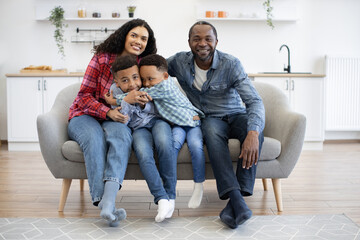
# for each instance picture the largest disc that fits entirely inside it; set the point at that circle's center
(72, 151)
(271, 150)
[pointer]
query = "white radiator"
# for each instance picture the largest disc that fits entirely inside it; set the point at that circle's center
(342, 93)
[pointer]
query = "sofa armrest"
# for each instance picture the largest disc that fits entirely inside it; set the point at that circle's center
(284, 125)
(52, 132)
(292, 139)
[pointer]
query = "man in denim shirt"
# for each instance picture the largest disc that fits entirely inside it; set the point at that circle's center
(216, 83)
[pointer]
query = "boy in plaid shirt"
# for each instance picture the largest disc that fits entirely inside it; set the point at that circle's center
(172, 105)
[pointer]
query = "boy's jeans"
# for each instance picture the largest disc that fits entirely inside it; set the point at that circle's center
(162, 182)
(194, 141)
(217, 132)
(106, 147)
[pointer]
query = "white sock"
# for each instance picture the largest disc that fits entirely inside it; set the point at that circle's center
(164, 207)
(197, 195)
(172, 204)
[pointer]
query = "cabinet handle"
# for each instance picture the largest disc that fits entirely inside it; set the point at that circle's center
(45, 85)
(39, 85)
(292, 85)
(287, 85)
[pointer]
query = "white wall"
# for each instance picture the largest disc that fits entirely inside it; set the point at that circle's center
(325, 27)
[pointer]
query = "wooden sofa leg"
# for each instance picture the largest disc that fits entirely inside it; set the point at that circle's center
(81, 185)
(264, 181)
(278, 195)
(64, 193)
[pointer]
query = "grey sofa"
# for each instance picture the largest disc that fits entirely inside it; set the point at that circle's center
(284, 135)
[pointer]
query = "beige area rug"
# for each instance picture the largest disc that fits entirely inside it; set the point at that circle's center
(294, 227)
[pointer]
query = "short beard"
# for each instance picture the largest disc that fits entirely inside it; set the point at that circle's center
(205, 59)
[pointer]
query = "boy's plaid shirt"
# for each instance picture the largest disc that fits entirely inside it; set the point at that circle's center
(171, 103)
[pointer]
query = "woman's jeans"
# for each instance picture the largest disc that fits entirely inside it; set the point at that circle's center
(162, 182)
(195, 144)
(106, 147)
(217, 132)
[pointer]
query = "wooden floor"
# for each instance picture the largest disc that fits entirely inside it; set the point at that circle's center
(322, 182)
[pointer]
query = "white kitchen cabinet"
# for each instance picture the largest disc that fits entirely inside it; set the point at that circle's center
(306, 96)
(27, 97)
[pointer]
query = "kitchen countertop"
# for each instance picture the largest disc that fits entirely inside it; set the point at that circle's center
(285, 75)
(46, 74)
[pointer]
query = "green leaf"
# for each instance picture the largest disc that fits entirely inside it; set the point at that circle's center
(57, 19)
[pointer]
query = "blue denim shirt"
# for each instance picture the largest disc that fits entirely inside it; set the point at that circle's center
(227, 90)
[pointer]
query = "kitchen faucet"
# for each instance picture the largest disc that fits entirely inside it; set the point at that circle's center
(288, 69)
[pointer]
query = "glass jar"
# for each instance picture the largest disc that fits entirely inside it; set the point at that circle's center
(82, 12)
(82, 9)
(115, 14)
(96, 14)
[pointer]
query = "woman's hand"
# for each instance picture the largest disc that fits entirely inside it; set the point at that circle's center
(137, 97)
(116, 116)
(109, 98)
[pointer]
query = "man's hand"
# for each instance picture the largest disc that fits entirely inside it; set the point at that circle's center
(109, 98)
(250, 150)
(137, 97)
(196, 117)
(116, 116)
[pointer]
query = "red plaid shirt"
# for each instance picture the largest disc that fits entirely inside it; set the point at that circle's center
(96, 83)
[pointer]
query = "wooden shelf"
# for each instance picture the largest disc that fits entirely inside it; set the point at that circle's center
(90, 19)
(248, 19)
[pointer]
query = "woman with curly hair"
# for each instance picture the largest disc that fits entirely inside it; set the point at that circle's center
(99, 130)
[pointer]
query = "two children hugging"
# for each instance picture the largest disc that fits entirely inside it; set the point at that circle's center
(159, 99)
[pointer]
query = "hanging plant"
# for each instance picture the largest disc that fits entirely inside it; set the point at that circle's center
(268, 9)
(57, 19)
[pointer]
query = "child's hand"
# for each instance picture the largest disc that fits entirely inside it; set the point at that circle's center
(109, 98)
(116, 116)
(196, 117)
(137, 97)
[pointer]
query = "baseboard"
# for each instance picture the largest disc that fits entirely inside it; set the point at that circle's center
(313, 146)
(23, 146)
(342, 135)
(342, 141)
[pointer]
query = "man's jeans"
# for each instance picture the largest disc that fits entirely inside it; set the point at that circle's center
(162, 182)
(195, 144)
(106, 147)
(217, 132)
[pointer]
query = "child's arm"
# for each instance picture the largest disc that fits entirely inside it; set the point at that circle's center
(133, 97)
(168, 89)
(159, 91)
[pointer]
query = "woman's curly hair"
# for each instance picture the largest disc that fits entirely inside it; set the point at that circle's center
(115, 43)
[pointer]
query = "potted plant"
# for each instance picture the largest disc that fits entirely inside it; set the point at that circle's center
(131, 10)
(268, 9)
(57, 19)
